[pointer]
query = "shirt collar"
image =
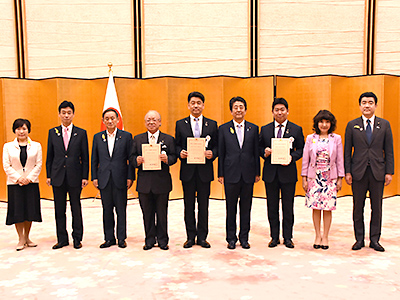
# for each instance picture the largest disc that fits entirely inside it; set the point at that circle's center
(236, 123)
(69, 127)
(193, 117)
(276, 124)
(113, 133)
(156, 134)
(365, 119)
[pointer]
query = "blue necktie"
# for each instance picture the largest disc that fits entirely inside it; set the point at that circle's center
(368, 131)
(196, 128)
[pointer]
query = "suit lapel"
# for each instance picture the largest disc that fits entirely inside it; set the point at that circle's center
(233, 133)
(59, 135)
(72, 138)
(286, 133)
(188, 125)
(360, 123)
(377, 127)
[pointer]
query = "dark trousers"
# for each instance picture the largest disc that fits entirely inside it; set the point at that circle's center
(114, 197)
(60, 207)
(155, 210)
(234, 191)
(360, 188)
(189, 197)
(286, 190)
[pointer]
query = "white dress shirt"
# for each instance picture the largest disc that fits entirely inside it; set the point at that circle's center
(372, 119)
(111, 141)
(276, 124)
(193, 123)
(242, 128)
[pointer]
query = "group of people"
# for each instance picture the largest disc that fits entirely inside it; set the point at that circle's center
(367, 165)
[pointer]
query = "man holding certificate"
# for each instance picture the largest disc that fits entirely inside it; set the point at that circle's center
(281, 145)
(238, 170)
(152, 153)
(196, 140)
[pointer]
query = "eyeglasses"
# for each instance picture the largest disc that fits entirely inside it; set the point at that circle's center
(152, 120)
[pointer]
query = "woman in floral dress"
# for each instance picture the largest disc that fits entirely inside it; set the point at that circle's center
(322, 172)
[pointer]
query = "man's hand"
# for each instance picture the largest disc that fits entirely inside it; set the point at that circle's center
(184, 154)
(348, 178)
(257, 178)
(139, 160)
(164, 158)
(85, 182)
(129, 183)
(208, 154)
(288, 162)
(388, 179)
(48, 181)
(267, 152)
(96, 183)
(221, 180)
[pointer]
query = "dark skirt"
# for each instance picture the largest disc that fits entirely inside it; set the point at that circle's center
(23, 203)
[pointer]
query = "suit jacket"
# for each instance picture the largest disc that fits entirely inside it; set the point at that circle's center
(286, 174)
(335, 149)
(103, 166)
(235, 162)
(72, 163)
(157, 182)
(358, 154)
(183, 130)
(12, 162)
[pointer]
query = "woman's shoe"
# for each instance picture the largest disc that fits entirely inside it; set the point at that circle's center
(31, 244)
(324, 247)
(20, 247)
(316, 246)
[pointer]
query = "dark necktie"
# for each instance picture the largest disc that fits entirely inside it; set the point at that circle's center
(279, 135)
(368, 131)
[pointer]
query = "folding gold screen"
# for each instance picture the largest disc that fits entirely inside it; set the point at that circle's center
(37, 100)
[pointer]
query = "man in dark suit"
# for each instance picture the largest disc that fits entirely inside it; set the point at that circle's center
(67, 167)
(113, 175)
(369, 166)
(154, 186)
(196, 178)
(238, 169)
(281, 179)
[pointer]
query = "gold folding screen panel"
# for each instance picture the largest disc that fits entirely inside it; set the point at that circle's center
(37, 100)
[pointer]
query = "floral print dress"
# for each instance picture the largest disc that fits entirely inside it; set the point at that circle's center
(321, 193)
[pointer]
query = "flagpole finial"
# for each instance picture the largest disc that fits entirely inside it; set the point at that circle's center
(110, 67)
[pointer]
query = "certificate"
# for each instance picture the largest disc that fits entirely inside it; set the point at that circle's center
(151, 155)
(280, 151)
(196, 148)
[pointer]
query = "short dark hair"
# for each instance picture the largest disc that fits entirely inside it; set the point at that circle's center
(324, 114)
(197, 95)
(237, 98)
(21, 122)
(280, 101)
(108, 110)
(66, 104)
(369, 95)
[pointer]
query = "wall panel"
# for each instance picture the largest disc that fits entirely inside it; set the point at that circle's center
(195, 38)
(310, 37)
(78, 38)
(8, 48)
(387, 54)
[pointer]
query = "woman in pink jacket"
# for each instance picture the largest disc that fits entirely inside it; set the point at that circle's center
(22, 162)
(322, 172)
